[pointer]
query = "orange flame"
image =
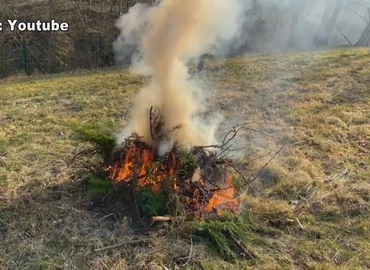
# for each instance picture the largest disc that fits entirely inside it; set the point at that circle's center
(138, 161)
(223, 199)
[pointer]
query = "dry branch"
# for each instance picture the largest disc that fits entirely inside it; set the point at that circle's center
(86, 152)
(230, 135)
(260, 132)
(246, 253)
(267, 163)
(299, 223)
(162, 218)
(247, 181)
(190, 252)
(157, 123)
(225, 146)
(234, 131)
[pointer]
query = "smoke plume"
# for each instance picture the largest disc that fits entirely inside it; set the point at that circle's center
(168, 35)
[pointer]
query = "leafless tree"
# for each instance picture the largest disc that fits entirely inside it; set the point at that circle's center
(328, 21)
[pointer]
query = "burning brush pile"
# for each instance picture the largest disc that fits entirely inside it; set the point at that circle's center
(159, 155)
(204, 180)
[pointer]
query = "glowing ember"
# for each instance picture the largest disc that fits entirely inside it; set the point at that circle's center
(138, 161)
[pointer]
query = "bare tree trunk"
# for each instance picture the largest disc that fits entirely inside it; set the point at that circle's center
(51, 40)
(293, 22)
(128, 3)
(280, 33)
(334, 17)
(365, 36)
(321, 35)
(328, 21)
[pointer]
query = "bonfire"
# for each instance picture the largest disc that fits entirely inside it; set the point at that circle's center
(204, 179)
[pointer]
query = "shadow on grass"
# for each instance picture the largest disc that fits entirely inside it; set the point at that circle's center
(63, 225)
(68, 226)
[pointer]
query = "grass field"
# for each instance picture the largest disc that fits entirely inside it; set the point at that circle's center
(317, 103)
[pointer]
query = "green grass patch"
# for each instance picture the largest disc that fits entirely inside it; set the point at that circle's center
(223, 233)
(99, 134)
(98, 187)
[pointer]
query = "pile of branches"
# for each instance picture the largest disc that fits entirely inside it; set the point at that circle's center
(198, 175)
(192, 179)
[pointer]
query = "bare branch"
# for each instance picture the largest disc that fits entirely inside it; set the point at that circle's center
(157, 124)
(260, 132)
(247, 181)
(190, 252)
(234, 132)
(254, 159)
(244, 250)
(267, 163)
(344, 36)
(230, 135)
(357, 14)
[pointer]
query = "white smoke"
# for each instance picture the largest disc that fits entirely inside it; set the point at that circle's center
(132, 26)
(167, 36)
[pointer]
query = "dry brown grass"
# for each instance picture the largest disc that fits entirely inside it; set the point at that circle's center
(315, 102)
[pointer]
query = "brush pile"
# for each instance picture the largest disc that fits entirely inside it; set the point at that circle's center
(205, 181)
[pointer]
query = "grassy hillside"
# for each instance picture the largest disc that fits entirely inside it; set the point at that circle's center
(316, 103)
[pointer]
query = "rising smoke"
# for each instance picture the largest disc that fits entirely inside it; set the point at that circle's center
(169, 35)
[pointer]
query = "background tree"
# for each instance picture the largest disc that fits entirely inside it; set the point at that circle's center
(328, 22)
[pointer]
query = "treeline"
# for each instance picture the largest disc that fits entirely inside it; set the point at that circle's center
(267, 25)
(300, 24)
(86, 45)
